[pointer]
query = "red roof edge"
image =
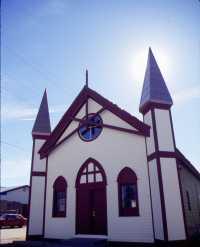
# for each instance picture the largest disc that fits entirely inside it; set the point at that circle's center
(75, 107)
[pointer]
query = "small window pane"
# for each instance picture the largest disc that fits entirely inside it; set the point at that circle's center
(90, 178)
(60, 201)
(129, 196)
(83, 179)
(99, 177)
(91, 167)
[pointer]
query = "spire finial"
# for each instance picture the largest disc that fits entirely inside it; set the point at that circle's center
(86, 78)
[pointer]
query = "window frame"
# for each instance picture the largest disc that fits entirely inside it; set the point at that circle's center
(60, 185)
(83, 171)
(127, 177)
(100, 127)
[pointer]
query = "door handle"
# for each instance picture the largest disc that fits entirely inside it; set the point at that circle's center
(93, 213)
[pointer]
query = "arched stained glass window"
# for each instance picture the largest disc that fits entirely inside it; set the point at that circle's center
(91, 172)
(128, 193)
(59, 197)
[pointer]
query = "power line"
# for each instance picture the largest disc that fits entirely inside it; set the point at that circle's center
(13, 146)
(22, 99)
(35, 67)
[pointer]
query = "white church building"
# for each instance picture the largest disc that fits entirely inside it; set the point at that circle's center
(104, 173)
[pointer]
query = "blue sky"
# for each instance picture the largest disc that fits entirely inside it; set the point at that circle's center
(50, 43)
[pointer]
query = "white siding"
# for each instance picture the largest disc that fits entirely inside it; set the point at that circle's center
(156, 201)
(114, 150)
(150, 140)
(164, 131)
(172, 198)
(107, 117)
(37, 206)
(93, 106)
(38, 165)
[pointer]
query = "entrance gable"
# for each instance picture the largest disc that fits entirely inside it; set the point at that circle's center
(88, 101)
(107, 116)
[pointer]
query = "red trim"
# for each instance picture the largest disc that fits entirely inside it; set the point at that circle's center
(151, 105)
(75, 107)
(179, 178)
(38, 174)
(85, 165)
(113, 127)
(163, 209)
(152, 216)
(30, 191)
(44, 206)
(40, 136)
(80, 187)
(161, 154)
(127, 177)
(83, 120)
(60, 185)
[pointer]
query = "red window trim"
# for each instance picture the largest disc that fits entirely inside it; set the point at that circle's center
(127, 177)
(60, 185)
(100, 171)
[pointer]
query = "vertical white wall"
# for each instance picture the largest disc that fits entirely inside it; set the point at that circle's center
(172, 197)
(150, 139)
(38, 164)
(36, 206)
(155, 197)
(37, 191)
(114, 150)
(164, 130)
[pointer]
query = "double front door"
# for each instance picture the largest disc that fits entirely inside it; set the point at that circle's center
(91, 215)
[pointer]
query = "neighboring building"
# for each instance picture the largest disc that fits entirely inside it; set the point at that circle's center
(102, 172)
(190, 185)
(14, 199)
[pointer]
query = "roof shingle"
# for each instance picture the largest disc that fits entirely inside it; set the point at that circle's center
(154, 88)
(42, 122)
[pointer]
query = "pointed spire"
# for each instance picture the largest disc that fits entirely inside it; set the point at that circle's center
(155, 91)
(86, 78)
(42, 123)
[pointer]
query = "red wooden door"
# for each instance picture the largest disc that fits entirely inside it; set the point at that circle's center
(91, 205)
(98, 211)
(91, 211)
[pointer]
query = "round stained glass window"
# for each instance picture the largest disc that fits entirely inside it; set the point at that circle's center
(92, 129)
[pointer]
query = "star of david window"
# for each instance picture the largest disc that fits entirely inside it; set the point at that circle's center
(92, 129)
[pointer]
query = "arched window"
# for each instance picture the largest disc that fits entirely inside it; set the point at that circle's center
(91, 173)
(128, 193)
(59, 197)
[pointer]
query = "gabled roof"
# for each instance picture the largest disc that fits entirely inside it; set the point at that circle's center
(8, 189)
(186, 163)
(42, 123)
(154, 89)
(76, 106)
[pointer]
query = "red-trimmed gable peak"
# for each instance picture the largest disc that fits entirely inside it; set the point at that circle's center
(80, 100)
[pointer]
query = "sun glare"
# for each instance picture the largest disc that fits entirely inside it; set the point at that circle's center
(138, 66)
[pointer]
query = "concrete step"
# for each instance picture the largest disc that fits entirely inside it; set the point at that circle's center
(84, 242)
(74, 242)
